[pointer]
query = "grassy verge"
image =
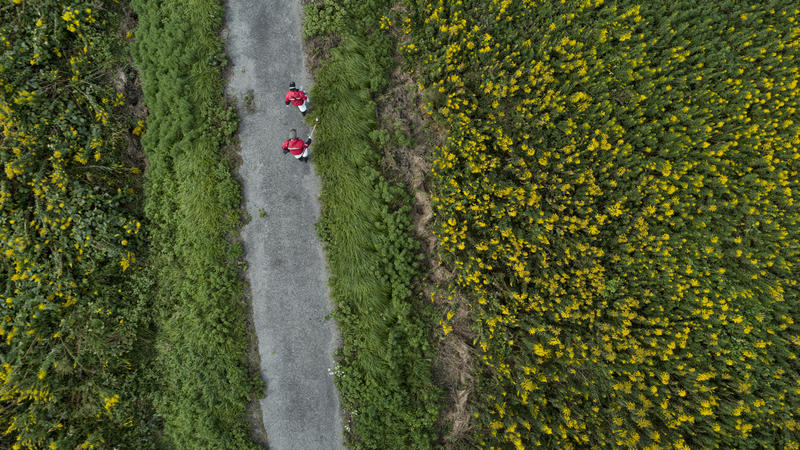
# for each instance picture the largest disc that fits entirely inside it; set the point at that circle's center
(383, 370)
(618, 197)
(192, 200)
(70, 234)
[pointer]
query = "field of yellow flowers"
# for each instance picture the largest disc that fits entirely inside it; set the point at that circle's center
(69, 233)
(618, 195)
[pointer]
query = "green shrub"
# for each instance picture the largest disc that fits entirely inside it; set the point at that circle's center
(356, 18)
(325, 17)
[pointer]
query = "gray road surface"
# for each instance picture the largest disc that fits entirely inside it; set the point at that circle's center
(286, 264)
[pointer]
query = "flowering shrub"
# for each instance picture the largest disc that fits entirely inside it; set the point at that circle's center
(617, 195)
(68, 234)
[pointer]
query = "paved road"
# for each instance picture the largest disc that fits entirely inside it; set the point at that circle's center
(286, 264)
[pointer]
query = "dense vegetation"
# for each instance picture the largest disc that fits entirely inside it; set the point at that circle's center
(618, 196)
(202, 383)
(383, 370)
(70, 233)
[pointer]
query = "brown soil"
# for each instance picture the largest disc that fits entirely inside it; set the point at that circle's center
(126, 80)
(453, 367)
(318, 49)
(400, 112)
(131, 87)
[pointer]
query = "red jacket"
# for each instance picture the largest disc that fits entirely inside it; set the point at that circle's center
(296, 97)
(295, 146)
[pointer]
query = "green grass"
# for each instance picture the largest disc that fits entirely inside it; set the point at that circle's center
(384, 367)
(201, 370)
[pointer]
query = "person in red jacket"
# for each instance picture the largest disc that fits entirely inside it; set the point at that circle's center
(297, 98)
(296, 146)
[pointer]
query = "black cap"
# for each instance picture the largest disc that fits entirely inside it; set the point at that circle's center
(291, 85)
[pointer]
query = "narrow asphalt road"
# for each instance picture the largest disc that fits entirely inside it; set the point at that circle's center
(286, 263)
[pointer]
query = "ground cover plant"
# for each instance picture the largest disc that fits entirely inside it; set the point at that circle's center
(70, 234)
(618, 200)
(201, 373)
(383, 370)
